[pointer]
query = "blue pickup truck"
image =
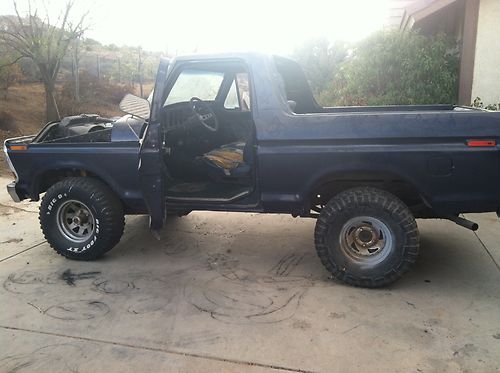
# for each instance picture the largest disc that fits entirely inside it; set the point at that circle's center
(242, 132)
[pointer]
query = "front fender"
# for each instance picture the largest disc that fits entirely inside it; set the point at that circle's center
(80, 168)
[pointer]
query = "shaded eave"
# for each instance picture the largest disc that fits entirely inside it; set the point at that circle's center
(421, 10)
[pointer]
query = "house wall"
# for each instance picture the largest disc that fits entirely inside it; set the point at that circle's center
(486, 76)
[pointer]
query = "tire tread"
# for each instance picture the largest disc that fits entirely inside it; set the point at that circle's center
(373, 197)
(112, 218)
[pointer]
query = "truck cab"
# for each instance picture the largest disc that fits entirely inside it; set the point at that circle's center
(202, 132)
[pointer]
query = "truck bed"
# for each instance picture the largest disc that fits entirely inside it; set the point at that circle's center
(395, 109)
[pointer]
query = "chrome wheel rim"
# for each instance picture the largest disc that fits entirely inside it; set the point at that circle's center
(75, 221)
(366, 239)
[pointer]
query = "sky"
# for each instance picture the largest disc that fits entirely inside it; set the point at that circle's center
(187, 26)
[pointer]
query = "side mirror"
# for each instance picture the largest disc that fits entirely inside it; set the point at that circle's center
(136, 106)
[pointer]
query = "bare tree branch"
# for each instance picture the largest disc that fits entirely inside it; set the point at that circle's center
(12, 62)
(45, 43)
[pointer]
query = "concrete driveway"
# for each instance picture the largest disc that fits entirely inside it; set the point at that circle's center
(243, 293)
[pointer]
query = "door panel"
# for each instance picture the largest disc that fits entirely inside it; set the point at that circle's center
(152, 175)
(152, 171)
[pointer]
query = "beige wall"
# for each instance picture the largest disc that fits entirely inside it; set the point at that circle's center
(486, 79)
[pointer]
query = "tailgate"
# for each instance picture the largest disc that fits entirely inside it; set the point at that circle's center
(23, 140)
(11, 146)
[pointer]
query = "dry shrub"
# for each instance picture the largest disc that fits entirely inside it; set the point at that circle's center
(96, 96)
(7, 122)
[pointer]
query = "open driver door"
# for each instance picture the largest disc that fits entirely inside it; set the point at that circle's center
(152, 171)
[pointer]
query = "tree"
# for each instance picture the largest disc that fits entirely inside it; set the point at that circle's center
(139, 72)
(75, 69)
(9, 73)
(397, 68)
(320, 61)
(43, 42)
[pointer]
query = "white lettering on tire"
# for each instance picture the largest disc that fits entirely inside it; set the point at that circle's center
(54, 200)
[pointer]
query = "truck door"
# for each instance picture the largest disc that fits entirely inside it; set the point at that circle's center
(152, 173)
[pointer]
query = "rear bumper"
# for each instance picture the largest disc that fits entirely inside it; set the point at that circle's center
(11, 188)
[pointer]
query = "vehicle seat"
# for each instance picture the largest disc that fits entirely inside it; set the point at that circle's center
(228, 161)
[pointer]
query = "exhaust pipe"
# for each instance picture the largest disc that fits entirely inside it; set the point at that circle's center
(463, 222)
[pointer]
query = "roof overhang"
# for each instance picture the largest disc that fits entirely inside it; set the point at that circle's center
(421, 10)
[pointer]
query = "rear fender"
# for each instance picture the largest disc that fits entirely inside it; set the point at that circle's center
(341, 180)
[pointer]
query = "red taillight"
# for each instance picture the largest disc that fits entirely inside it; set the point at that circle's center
(481, 143)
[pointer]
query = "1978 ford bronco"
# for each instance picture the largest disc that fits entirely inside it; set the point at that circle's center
(242, 132)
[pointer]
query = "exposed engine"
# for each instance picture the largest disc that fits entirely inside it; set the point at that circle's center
(86, 127)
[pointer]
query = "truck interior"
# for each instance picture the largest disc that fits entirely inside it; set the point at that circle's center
(208, 133)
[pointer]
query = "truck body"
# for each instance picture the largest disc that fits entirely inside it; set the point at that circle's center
(257, 141)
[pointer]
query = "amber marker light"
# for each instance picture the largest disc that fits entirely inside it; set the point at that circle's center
(18, 147)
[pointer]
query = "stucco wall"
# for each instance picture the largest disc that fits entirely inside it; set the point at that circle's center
(486, 78)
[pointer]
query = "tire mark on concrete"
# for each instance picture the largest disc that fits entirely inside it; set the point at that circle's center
(113, 286)
(24, 282)
(27, 282)
(50, 358)
(287, 264)
(248, 298)
(78, 310)
(70, 278)
(159, 295)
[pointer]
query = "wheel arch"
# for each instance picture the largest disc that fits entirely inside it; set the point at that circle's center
(326, 186)
(45, 178)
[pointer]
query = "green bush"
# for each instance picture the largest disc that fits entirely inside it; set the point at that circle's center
(397, 68)
(478, 103)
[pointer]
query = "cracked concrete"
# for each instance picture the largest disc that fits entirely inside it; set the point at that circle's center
(243, 292)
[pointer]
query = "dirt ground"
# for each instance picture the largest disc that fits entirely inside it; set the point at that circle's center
(229, 292)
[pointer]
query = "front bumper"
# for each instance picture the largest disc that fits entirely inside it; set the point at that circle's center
(11, 188)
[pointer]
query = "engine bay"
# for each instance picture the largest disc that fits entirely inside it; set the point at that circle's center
(91, 128)
(78, 128)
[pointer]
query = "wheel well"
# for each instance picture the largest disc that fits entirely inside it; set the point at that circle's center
(406, 192)
(49, 178)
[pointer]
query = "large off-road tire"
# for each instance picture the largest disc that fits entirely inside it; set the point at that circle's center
(366, 237)
(81, 218)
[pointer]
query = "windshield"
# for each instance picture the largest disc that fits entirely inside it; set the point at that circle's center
(195, 83)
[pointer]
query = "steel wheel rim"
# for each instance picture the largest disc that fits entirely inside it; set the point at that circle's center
(75, 221)
(366, 239)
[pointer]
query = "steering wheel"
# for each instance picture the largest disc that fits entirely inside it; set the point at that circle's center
(205, 114)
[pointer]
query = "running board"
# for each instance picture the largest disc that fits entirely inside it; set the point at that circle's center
(209, 200)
